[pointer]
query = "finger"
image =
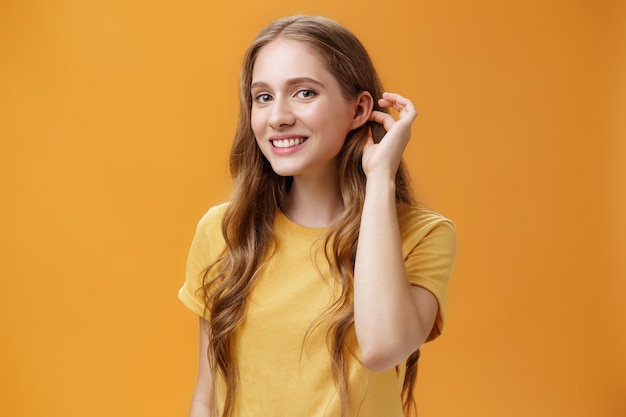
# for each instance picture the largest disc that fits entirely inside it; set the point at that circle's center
(395, 97)
(382, 118)
(398, 103)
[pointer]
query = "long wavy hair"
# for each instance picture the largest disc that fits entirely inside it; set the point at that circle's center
(259, 193)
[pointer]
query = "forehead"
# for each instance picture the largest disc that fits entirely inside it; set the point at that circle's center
(288, 58)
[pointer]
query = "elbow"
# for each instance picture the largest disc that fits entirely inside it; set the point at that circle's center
(380, 357)
(376, 362)
(385, 352)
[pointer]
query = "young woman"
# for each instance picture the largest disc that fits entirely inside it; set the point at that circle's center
(319, 280)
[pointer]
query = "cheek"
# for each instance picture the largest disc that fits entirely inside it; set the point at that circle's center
(337, 125)
(257, 122)
(334, 117)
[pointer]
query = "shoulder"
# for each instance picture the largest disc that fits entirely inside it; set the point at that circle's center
(209, 228)
(213, 217)
(425, 231)
(419, 222)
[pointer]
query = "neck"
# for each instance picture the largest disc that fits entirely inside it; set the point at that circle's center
(314, 202)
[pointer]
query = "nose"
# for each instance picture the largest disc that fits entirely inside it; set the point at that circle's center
(281, 114)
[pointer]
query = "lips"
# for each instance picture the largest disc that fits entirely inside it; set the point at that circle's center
(287, 143)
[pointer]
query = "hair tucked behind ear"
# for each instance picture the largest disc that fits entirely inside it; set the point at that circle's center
(259, 193)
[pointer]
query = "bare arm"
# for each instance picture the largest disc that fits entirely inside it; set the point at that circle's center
(201, 399)
(392, 318)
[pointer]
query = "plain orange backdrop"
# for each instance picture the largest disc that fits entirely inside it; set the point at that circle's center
(115, 122)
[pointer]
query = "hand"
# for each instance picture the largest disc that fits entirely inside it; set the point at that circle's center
(384, 157)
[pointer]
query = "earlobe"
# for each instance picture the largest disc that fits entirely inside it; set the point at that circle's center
(364, 105)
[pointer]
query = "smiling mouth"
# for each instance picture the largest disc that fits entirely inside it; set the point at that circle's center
(287, 143)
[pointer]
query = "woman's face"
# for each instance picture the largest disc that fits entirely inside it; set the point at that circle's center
(299, 117)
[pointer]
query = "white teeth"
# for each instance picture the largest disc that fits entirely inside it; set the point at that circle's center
(286, 143)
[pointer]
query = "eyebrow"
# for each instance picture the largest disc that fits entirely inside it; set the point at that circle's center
(290, 82)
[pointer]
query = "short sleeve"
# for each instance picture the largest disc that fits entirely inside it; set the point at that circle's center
(429, 247)
(206, 245)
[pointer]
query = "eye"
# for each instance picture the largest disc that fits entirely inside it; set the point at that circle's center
(306, 94)
(262, 98)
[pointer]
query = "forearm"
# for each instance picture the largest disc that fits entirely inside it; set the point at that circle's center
(199, 409)
(201, 402)
(385, 312)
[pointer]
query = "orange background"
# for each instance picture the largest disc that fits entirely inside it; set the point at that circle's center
(115, 123)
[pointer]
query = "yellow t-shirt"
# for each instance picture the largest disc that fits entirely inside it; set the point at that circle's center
(285, 372)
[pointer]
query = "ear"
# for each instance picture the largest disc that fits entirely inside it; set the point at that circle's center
(363, 106)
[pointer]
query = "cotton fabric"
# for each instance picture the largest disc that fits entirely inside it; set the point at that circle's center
(283, 361)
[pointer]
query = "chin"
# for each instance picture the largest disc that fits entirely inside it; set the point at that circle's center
(284, 172)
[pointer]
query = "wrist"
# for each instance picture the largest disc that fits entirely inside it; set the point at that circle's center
(381, 184)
